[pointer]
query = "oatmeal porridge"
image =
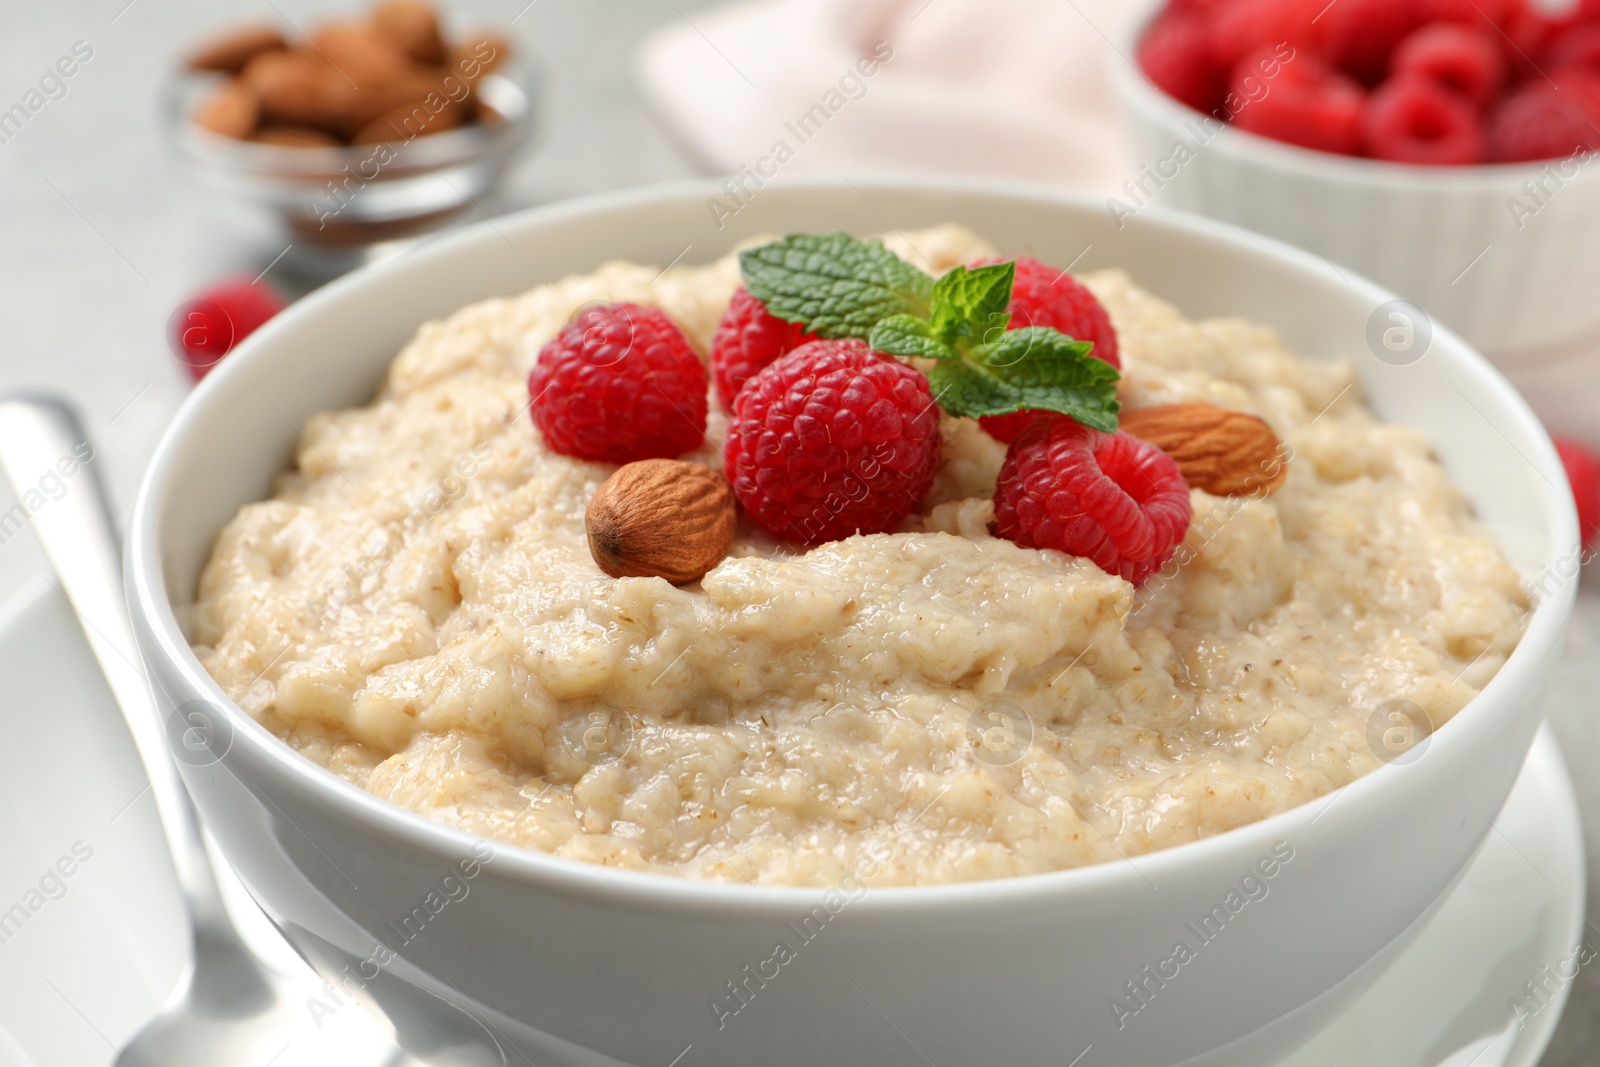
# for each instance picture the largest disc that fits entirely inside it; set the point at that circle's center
(416, 609)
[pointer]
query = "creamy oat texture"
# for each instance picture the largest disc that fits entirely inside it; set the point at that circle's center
(416, 610)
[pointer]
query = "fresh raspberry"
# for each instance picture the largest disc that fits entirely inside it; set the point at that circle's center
(1576, 46)
(1240, 27)
(1414, 120)
(1463, 59)
(620, 382)
(1481, 14)
(1045, 296)
(1583, 472)
(830, 440)
(1308, 104)
(1361, 35)
(1175, 54)
(748, 338)
(206, 328)
(1546, 121)
(1525, 37)
(1111, 498)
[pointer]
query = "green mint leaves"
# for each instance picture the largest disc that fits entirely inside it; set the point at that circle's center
(834, 284)
(837, 286)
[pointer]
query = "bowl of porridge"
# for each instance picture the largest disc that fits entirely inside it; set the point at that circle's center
(945, 790)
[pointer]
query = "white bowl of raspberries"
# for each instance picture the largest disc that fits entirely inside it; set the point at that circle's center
(1448, 149)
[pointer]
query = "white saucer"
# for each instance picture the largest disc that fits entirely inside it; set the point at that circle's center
(89, 965)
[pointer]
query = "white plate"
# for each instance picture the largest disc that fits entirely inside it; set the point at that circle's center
(84, 971)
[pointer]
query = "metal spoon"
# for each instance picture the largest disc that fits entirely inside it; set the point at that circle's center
(230, 1007)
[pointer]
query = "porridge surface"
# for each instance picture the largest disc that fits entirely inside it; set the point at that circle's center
(417, 610)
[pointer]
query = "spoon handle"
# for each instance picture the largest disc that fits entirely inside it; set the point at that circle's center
(41, 439)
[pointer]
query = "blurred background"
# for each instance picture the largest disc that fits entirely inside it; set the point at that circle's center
(117, 217)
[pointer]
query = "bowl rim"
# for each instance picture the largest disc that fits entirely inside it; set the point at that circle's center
(1140, 95)
(256, 751)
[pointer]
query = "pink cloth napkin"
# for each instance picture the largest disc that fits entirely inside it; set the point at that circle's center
(995, 88)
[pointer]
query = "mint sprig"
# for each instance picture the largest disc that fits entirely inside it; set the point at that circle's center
(838, 286)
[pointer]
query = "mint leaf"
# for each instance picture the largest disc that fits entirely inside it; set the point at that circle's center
(972, 303)
(834, 284)
(1033, 343)
(910, 337)
(1032, 369)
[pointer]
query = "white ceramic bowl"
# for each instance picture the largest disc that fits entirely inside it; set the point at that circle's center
(1505, 255)
(582, 965)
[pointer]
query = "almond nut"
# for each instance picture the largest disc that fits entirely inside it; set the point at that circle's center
(229, 111)
(228, 52)
(661, 518)
(294, 88)
(414, 26)
(366, 57)
(1224, 452)
(409, 121)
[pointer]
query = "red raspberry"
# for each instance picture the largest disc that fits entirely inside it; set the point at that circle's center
(1308, 104)
(1175, 54)
(1526, 36)
(748, 338)
(1463, 59)
(1361, 35)
(1546, 121)
(1577, 46)
(1111, 498)
(208, 327)
(1240, 27)
(1583, 472)
(1045, 296)
(620, 382)
(830, 440)
(1414, 120)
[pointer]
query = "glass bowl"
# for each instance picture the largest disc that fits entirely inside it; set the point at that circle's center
(330, 209)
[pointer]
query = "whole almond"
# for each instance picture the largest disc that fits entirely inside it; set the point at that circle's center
(661, 518)
(1224, 452)
(412, 25)
(409, 121)
(366, 57)
(230, 111)
(294, 88)
(229, 51)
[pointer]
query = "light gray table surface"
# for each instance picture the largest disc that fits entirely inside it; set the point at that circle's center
(101, 238)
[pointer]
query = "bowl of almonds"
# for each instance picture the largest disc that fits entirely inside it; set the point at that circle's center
(350, 133)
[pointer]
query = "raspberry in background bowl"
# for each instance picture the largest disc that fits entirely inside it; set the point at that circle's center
(1500, 251)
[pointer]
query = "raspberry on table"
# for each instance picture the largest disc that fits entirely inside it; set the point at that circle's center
(1463, 59)
(620, 383)
(1546, 121)
(1175, 54)
(1309, 104)
(830, 440)
(1413, 119)
(1583, 473)
(748, 338)
(1113, 499)
(208, 327)
(1042, 295)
